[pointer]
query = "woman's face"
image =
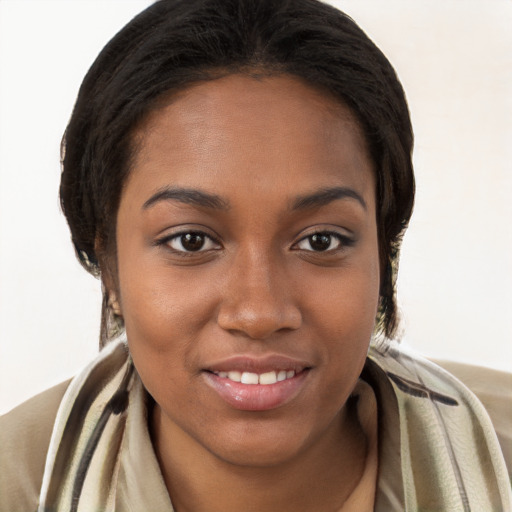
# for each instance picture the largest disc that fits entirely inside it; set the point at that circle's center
(248, 265)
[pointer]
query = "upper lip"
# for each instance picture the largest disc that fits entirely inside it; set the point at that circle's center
(258, 364)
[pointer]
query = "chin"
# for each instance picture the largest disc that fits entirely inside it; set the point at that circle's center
(258, 455)
(261, 444)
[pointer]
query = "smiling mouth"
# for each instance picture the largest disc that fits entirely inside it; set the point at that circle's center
(252, 391)
(251, 383)
(251, 378)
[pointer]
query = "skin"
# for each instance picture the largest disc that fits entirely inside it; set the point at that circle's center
(256, 287)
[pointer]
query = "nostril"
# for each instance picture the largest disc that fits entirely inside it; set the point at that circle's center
(258, 322)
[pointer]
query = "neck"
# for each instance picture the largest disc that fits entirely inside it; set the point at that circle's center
(319, 477)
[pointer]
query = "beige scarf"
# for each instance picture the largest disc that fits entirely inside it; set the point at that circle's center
(437, 447)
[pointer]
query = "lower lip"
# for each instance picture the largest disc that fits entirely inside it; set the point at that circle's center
(256, 397)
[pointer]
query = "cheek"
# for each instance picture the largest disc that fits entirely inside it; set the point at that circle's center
(347, 300)
(343, 314)
(157, 307)
(165, 311)
(159, 327)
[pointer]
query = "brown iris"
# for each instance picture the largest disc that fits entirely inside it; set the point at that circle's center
(320, 241)
(192, 241)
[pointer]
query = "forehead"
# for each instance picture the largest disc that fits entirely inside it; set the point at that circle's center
(250, 131)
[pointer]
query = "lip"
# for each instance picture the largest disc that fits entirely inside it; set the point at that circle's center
(263, 364)
(257, 397)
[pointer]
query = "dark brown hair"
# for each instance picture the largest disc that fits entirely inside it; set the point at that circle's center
(175, 43)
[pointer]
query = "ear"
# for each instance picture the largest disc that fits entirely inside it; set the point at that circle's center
(113, 303)
(108, 276)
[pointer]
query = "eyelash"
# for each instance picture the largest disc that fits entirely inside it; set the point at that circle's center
(167, 241)
(343, 242)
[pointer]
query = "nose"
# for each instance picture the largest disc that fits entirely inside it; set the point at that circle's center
(258, 299)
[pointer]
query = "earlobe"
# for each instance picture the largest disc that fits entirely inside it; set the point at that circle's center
(113, 303)
(107, 276)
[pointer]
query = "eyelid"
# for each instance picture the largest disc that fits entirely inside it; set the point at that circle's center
(165, 240)
(343, 239)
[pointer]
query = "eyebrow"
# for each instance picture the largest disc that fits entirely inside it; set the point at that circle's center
(196, 197)
(187, 196)
(325, 196)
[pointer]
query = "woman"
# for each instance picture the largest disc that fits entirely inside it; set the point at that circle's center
(239, 175)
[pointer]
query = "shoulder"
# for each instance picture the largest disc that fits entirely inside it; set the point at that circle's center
(483, 396)
(494, 389)
(25, 434)
(444, 423)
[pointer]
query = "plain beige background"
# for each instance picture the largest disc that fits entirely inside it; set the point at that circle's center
(454, 58)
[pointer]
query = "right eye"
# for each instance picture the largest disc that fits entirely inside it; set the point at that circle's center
(191, 241)
(321, 242)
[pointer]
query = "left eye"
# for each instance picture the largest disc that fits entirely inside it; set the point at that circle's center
(191, 242)
(321, 242)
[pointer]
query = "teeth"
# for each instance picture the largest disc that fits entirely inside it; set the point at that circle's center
(253, 378)
(235, 376)
(249, 378)
(281, 375)
(268, 378)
